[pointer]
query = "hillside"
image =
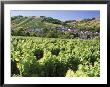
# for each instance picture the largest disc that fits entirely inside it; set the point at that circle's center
(53, 28)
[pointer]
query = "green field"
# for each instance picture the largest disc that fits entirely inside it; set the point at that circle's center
(50, 57)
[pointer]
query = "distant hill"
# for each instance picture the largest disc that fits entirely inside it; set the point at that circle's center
(32, 25)
(97, 18)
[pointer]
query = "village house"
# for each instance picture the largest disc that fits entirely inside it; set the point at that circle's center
(33, 30)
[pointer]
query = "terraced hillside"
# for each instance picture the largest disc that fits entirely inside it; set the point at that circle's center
(53, 28)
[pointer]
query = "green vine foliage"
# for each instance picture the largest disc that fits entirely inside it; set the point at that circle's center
(50, 57)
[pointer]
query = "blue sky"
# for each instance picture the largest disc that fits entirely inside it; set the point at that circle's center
(59, 14)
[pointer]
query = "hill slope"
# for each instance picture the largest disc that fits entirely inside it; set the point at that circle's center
(49, 27)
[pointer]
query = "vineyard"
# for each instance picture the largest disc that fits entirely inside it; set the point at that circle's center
(54, 57)
(49, 27)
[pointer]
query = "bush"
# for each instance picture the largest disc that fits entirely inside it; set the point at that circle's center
(52, 67)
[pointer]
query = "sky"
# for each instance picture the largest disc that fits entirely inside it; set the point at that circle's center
(59, 14)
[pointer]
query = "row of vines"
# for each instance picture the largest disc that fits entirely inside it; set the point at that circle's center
(44, 57)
